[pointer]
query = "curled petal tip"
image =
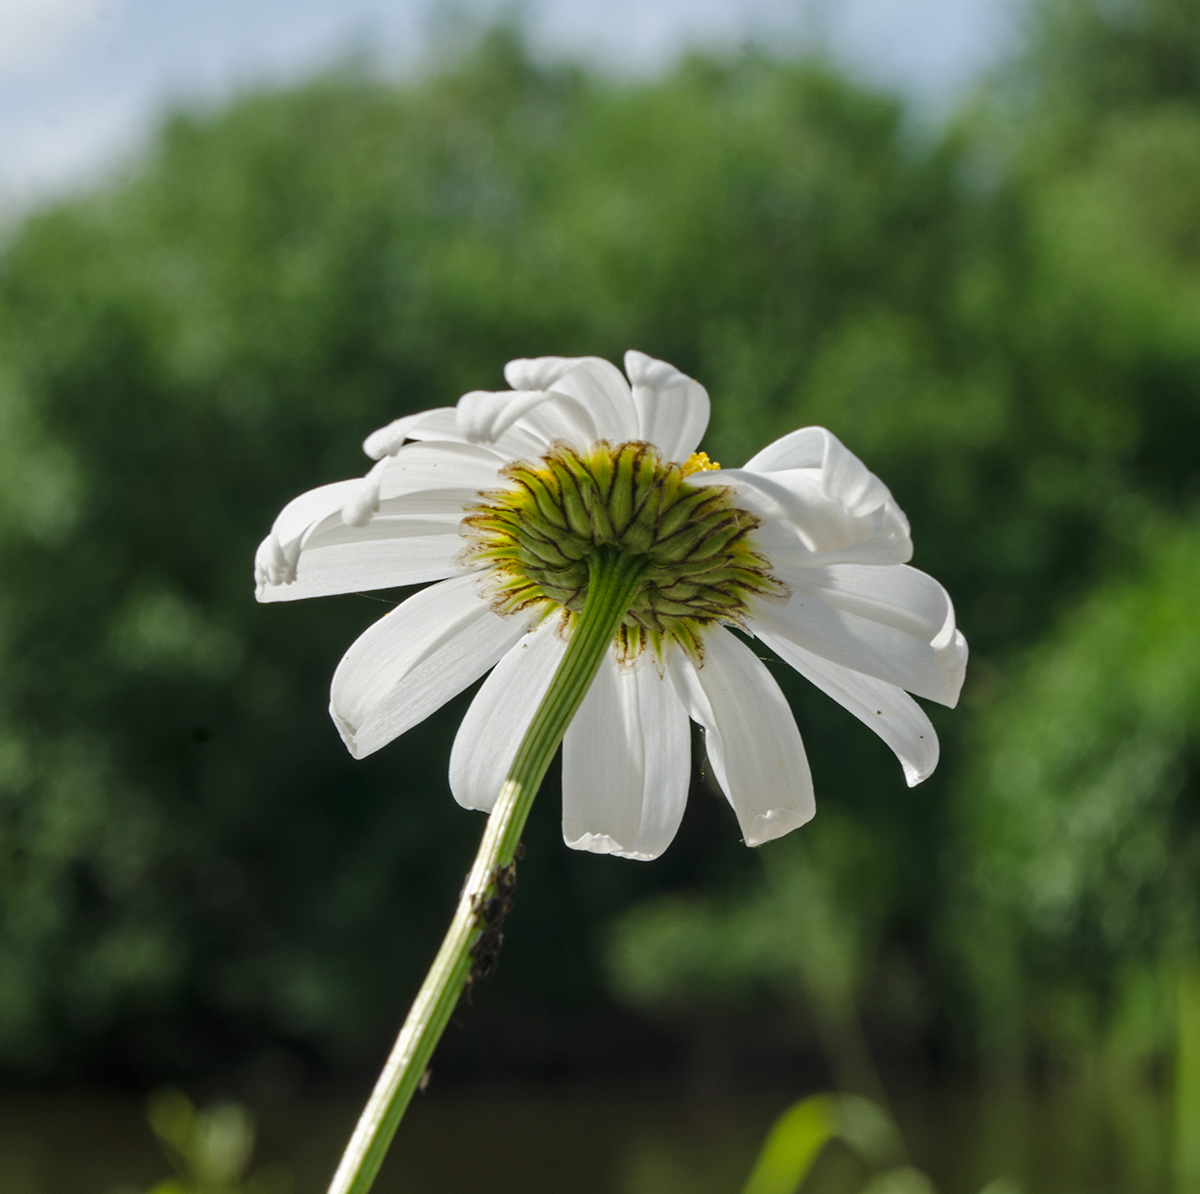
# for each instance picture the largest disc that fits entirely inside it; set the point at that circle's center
(358, 511)
(952, 656)
(643, 370)
(637, 365)
(766, 827)
(483, 416)
(387, 441)
(474, 415)
(272, 565)
(536, 373)
(602, 843)
(347, 733)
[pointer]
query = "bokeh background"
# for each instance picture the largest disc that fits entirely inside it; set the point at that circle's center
(980, 270)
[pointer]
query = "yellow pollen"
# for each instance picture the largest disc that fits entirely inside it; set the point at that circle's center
(698, 462)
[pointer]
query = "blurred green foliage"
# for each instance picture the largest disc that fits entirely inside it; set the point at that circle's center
(1001, 317)
(794, 936)
(798, 1136)
(1085, 838)
(210, 1149)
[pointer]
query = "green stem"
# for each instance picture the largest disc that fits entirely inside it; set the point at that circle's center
(611, 588)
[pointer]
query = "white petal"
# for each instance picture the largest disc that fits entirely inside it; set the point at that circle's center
(595, 385)
(342, 538)
(414, 660)
(275, 562)
(603, 391)
(309, 508)
(893, 623)
(537, 373)
(843, 477)
(558, 418)
(672, 409)
(512, 444)
(478, 414)
(886, 709)
(442, 424)
(438, 465)
(780, 541)
(501, 712)
(445, 505)
(626, 763)
(425, 424)
(539, 416)
(840, 509)
(409, 540)
(371, 562)
(272, 567)
(898, 596)
(824, 523)
(753, 743)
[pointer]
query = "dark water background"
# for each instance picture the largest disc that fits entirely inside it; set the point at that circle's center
(1064, 1139)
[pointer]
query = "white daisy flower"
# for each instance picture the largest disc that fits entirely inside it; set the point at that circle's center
(504, 501)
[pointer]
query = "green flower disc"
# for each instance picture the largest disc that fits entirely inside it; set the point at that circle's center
(539, 537)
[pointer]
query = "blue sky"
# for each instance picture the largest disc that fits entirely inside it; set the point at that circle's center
(81, 81)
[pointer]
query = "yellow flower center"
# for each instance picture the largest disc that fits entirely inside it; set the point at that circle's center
(539, 535)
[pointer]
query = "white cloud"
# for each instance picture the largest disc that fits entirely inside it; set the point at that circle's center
(53, 152)
(33, 32)
(931, 48)
(81, 81)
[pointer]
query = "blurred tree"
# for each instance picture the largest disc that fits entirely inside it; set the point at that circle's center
(792, 935)
(186, 843)
(1084, 877)
(1002, 320)
(1075, 813)
(1062, 376)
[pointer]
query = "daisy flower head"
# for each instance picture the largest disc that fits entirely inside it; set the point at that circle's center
(509, 505)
